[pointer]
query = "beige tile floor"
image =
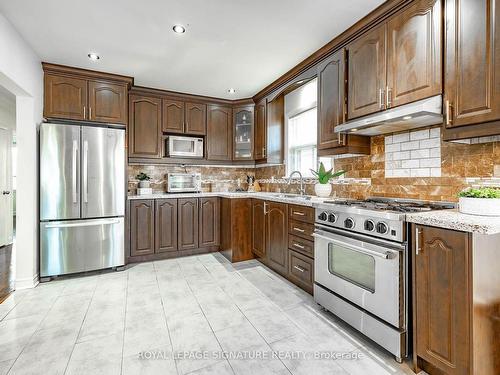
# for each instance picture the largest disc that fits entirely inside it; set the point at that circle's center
(177, 317)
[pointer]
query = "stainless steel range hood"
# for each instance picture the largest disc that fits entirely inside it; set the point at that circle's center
(419, 114)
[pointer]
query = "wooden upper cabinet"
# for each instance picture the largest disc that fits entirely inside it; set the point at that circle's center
(260, 130)
(258, 228)
(442, 313)
(243, 120)
(472, 62)
(276, 235)
(209, 222)
(65, 97)
(187, 223)
(414, 53)
(142, 238)
(165, 225)
(331, 100)
(220, 134)
(173, 116)
(107, 102)
(195, 119)
(367, 73)
(145, 136)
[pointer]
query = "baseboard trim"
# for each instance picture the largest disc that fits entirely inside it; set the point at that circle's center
(26, 283)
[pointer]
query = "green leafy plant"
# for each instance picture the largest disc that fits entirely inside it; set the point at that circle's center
(325, 176)
(484, 192)
(143, 177)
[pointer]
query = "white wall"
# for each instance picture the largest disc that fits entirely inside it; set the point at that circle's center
(21, 73)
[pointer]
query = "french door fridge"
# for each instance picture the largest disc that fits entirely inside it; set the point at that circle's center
(82, 198)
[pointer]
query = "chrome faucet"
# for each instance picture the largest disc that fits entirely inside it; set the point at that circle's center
(301, 189)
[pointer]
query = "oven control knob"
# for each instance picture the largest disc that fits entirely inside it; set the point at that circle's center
(369, 225)
(382, 228)
(323, 216)
(332, 218)
(349, 223)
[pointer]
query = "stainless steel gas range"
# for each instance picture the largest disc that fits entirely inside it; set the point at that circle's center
(362, 269)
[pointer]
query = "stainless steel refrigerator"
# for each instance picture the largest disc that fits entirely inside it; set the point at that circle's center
(82, 198)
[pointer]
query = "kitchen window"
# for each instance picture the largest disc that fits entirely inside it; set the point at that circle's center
(301, 131)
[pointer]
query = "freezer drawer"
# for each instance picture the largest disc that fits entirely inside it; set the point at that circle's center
(81, 245)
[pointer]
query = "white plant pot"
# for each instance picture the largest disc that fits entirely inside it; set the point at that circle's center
(144, 184)
(323, 190)
(480, 206)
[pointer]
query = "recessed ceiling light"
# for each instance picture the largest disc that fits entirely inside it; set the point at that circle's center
(231, 91)
(93, 56)
(179, 29)
(407, 118)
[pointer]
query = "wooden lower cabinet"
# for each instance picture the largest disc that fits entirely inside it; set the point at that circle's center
(165, 225)
(209, 222)
(188, 223)
(236, 229)
(258, 228)
(441, 277)
(276, 236)
(142, 230)
(455, 292)
(301, 270)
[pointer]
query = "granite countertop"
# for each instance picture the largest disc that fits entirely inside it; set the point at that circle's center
(276, 197)
(452, 219)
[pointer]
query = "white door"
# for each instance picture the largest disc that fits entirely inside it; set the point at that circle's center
(6, 193)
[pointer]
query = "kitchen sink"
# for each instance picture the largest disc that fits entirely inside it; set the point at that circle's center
(293, 196)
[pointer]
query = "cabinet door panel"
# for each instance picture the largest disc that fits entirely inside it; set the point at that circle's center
(243, 129)
(196, 119)
(366, 78)
(258, 228)
(220, 135)
(188, 223)
(260, 130)
(472, 61)
(209, 222)
(65, 97)
(165, 225)
(145, 127)
(277, 237)
(107, 102)
(142, 227)
(331, 100)
(414, 53)
(442, 284)
(173, 116)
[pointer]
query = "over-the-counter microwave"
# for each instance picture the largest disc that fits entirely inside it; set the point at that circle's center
(184, 147)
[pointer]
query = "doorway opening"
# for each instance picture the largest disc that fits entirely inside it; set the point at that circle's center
(8, 169)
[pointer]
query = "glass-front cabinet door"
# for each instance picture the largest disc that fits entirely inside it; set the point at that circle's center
(243, 133)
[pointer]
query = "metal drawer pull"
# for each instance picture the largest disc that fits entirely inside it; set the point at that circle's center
(299, 269)
(299, 246)
(299, 230)
(417, 245)
(299, 213)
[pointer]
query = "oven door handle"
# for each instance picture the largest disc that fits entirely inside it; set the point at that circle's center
(384, 255)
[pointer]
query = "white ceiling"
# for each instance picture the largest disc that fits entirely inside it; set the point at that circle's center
(229, 43)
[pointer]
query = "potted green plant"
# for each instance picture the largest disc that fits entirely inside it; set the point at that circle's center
(323, 188)
(483, 201)
(144, 180)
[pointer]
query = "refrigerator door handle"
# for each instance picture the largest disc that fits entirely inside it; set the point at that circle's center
(84, 224)
(85, 172)
(74, 172)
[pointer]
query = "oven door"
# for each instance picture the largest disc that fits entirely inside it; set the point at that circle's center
(367, 274)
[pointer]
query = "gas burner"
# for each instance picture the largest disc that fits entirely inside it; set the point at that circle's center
(377, 217)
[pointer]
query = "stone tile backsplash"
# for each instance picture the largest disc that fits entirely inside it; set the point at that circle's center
(413, 154)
